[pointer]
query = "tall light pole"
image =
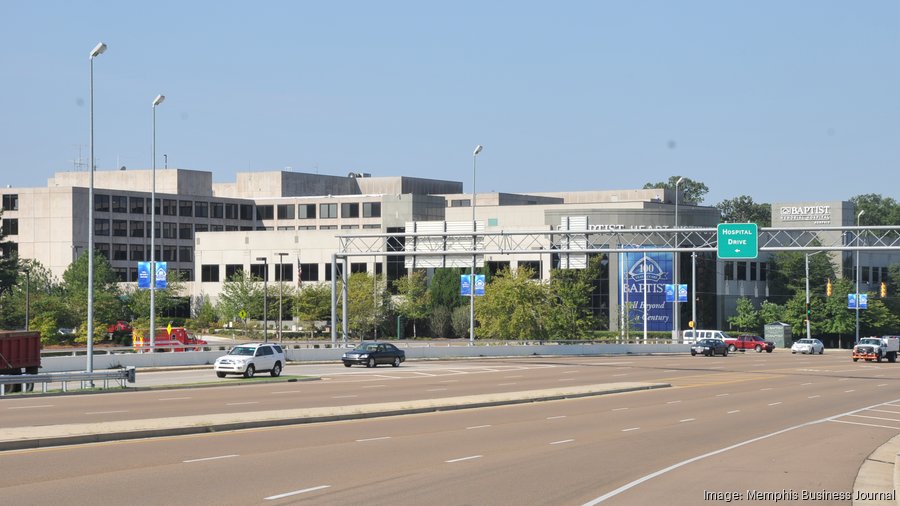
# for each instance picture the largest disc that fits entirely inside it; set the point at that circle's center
(808, 334)
(265, 262)
(97, 51)
(675, 268)
(280, 292)
(478, 149)
(861, 212)
(156, 101)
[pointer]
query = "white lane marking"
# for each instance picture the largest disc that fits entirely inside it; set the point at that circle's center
(877, 418)
(673, 402)
(734, 411)
(764, 389)
(843, 379)
(617, 375)
(630, 429)
(105, 412)
(775, 403)
(477, 427)
(813, 396)
(296, 492)
(687, 420)
(563, 441)
(424, 373)
(691, 460)
(882, 385)
(462, 459)
(241, 403)
(287, 392)
(449, 381)
(344, 396)
(619, 409)
(848, 391)
(558, 417)
(173, 398)
(671, 370)
(866, 424)
(374, 386)
(885, 411)
(505, 384)
(372, 439)
(721, 395)
(516, 376)
(436, 390)
(804, 384)
(32, 407)
(571, 372)
(566, 379)
(209, 458)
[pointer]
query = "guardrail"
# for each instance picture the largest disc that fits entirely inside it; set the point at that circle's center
(86, 379)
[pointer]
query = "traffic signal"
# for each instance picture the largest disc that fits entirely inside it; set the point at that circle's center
(808, 311)
(883, 290)
(828, 288)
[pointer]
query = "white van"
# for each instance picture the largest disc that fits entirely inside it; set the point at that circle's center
(691, 336)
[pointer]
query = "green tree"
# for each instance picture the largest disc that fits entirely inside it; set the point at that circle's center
(414, 299)
(743, 210)
(205, 315)
(440, 321)
(569, 314)
(879, 210)
(787, 274)
(313, 302)
(513, 307)
(693, 191)
(746, 318)
(837, 318)
(459, 321)
(368, 304)
(444, 288)
(241, 292)
(108, 306)
(770, 312)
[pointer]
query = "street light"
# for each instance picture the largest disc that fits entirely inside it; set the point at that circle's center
(97, 51)
(808, 335)
(861, 212)
(280, 292)
(156, 101)
(478, 149)
(675, 268)
(265, 262)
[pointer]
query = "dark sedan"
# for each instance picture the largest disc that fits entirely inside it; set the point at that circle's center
(372, 354)
(710, 347)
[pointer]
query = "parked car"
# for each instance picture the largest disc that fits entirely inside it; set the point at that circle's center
(749, 342)
(710, 347)
(121, 327)
(371, 354)
(248, 359)
(809, 346)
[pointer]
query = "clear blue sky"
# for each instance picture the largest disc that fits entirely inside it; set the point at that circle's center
(796, 100)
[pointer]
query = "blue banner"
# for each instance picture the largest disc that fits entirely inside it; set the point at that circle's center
(465, 285)
(161, 271)
(144, 275)
(670, 293)
(479, 284)
(682, 293)
(657, 272)
(863, 301)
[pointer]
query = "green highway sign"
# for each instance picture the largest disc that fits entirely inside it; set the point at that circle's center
(737, 240)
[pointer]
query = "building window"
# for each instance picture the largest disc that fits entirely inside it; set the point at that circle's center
(461, 203)
(185, 231)
(119, 204)
(373, 226)
(306, 211)
(120, 252)
(742, 271)
(231, 228)
(170, 230)
(132, 274)
(309, 272)
(327, 211)
(102, 248)
(865, 274)
(231, 211)
(752, 271)
(155, 207)
(137, 229)
(232, 270)
(185, 208)
(209, 273)
(729, 271)
(259, 271)
(349, 227)
(306, 227)
(101, 226)
(185, 254)
(247, 212)
(532, 265)
(328, 227)
(168, 254)
(350, 210)
(357, 267)
(284, 272)
(101, 203)
(120, 228)
(201, 227)
(11, 202)
(285, 228)
(201, 209)
(216, 228)
(137, 205)
(763, 271)
(265, 212)
(137, 252)
(170, 207)
(285, 211)
(121, 274)
(187, 274)
(217, 210)
(10, 226)
(371, 209)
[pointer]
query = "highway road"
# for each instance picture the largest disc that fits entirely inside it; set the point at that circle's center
(747, 423)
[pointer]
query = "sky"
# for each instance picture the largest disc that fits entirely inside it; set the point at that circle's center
(781, 101)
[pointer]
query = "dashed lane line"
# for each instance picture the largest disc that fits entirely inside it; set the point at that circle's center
(296, 492)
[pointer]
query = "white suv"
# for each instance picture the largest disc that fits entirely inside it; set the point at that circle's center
(248, 359)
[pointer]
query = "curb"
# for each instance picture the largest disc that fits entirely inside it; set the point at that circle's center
(59, 435)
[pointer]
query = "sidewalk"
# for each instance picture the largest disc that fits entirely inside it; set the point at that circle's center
(880, 473)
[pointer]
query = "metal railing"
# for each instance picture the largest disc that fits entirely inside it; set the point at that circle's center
(85, 379)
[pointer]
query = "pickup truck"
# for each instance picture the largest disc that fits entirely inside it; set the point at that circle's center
(877, 349)
(749, 342)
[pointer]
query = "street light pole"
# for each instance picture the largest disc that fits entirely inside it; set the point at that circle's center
(265, 262)
(478, 149)
(861, 212)
(675, 268)
(280, 293)
(156, 101)
(97, 51)
(808, 333)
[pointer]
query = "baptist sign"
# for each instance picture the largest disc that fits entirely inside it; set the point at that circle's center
(818, 214)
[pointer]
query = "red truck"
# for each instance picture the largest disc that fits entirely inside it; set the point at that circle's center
(179, 340)
(119, 328)
(20, 352)
(749, 342)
